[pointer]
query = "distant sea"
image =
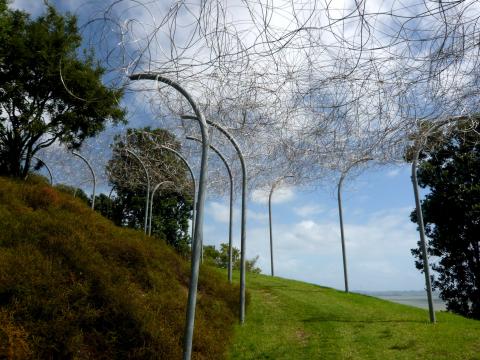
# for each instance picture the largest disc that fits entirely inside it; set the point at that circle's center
(412, 298)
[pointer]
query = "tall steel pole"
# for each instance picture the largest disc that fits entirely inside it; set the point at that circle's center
(46, 167)
(418, 208)
(148, 186)
(156, 187)
(230, 221)
(196, 250)
(274, 185)
(423, 244)
(340, 215)
(194, 181)
(93, 176)
(244, 212)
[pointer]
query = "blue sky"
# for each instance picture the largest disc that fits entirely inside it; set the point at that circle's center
(379, 234)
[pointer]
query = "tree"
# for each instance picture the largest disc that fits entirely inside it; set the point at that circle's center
(219, 258)
(172, 205)
(451, 171)
(48, 91)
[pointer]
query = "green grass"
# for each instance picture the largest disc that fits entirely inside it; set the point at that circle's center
(288, 319)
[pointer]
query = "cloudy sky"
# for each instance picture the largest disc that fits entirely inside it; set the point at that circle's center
(379, 234)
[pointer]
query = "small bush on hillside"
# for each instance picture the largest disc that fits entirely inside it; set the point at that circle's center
(219, 258)
(74, 286)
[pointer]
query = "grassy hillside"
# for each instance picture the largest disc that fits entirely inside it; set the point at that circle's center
(294, 320)
(73, 286)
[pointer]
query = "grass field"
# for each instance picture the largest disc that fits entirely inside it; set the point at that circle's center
(292, 320)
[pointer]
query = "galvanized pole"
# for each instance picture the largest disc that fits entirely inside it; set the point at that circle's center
(194, 181)
(151, 204)
(274, 185)
(418, 207)
(230, 221)
(244, 213)
(270, 227)
(93, 176)
(148, 187)
(46, 167)
(110, 212)
(423, 244)
(340, 214)
(196, 250)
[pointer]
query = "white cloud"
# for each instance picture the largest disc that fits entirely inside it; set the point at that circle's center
(34, 8)
(219, 212)
(393, 173)
(281, 195)
(308, 210)
(378, 251)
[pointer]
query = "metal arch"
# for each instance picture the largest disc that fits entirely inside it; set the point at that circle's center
(194, 212)
(340, 215)
(418, 208)
(230, 222)
(148, 187)
(93, 175)
(274, 185)
(46, 167)
(244, 212)
(196, 250)
(151, 204)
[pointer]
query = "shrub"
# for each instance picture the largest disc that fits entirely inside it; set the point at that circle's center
(73, 285)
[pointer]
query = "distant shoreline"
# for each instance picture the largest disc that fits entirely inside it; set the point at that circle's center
(417, 298)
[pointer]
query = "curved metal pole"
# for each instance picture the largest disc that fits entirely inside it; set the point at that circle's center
(244, 213)
(148, 187)
(110, 212)
(93, 175)
(423, 244)
(340, 215)
(194, 181)
(274, 185)
(151, 204)
(46, 167)
(230, 221)
(196, 250)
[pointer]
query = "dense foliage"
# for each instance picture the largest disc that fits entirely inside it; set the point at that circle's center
(219, 258)
(172, 205)
(74, 286)
(451, 210)
(48, 91)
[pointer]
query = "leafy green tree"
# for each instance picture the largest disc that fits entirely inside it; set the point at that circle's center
(172, 205)
(49, 91)
(451, 171)
(219, 258)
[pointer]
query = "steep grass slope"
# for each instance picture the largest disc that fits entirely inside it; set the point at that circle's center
(74, 286)
(293, 320)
